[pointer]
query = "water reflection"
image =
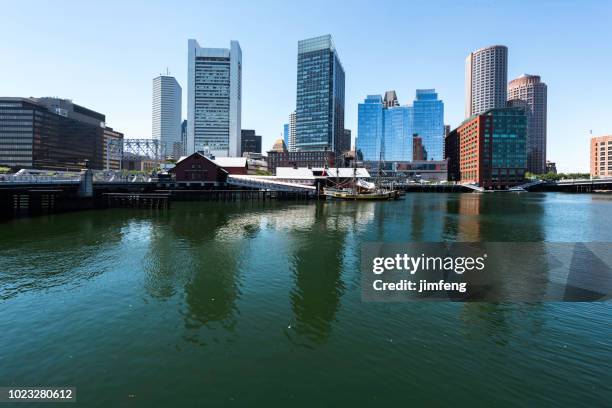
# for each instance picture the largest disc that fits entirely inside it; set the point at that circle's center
(494, 217)
(317, 266)
(207, 250)
(189, 251)
(498, 322)
(45, 252)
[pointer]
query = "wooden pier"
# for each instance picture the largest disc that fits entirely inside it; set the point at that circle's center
(157, 201)
(235, 195)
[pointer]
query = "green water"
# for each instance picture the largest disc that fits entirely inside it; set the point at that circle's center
(214, 304)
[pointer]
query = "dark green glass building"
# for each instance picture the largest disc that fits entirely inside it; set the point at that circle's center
(320, 96)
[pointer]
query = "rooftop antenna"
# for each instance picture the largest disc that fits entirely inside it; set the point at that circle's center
(167, 72)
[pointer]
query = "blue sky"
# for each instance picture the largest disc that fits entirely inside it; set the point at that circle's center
(104, 54)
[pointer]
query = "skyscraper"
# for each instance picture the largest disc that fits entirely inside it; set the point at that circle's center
(184, 135)
(486, 77)
(214, 99)
(397, 133)
(286, 133)
(370, 128)
(292, 132)
(385, 129)
(166, 124)
(530, 89)
(428, 122)
(320, 95)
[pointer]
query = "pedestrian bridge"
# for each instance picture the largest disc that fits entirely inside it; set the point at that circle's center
(528, 185)
(38, 177)
(268, 183)
(474, 187)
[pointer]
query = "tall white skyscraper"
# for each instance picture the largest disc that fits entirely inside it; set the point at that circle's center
(486, 78)
(214, 99)
(292, 132)
(167, 115)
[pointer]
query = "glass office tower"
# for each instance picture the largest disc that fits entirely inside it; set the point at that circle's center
(397, 139)
(386, 130)
(286, 133)
(370, 127)
(320, 95)
(428, 122)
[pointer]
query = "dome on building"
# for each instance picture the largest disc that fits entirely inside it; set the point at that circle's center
(279, 146)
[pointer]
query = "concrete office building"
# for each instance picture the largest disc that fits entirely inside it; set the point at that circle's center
(601, 156)
(167, 115)
(292, 132)
(113, 149)
(214, 99)
(486, 77)
(530, 89)
(53, 134)
(289, 131)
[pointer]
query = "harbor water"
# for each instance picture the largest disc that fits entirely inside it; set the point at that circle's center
(253, 303)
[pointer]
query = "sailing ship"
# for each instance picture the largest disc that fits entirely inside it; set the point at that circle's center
(359, 190)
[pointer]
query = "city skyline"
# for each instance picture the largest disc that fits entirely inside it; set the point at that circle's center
(122, 91)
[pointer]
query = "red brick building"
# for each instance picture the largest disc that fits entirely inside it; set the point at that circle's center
(601, 156)
(418, 150)
(489, 149)
(199, 168)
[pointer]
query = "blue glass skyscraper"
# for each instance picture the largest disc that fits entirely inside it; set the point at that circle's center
(397, 139)
(386, 132)
(428, 122)
(286, 133)
(320, 95)
(370, 127)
